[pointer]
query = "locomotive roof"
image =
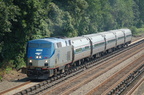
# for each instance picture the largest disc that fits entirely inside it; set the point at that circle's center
(92, 35)
(52, 40)
(76, 38)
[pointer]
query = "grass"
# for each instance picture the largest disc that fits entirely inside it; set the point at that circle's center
(138, 31)
(1, 74)
(4, 71)
(8, 69)
(0, 78)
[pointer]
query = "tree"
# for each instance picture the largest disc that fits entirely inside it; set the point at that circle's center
(30, 24)
(139, 13)
(122, 12)
(8, 12)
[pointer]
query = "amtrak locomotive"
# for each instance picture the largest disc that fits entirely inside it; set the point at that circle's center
(48, 57)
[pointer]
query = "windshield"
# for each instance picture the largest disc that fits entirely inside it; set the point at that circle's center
(39, 45)
(46, 50)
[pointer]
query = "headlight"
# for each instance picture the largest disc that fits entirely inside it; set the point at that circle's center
(40, 56)
(30, 61)
(37, 57)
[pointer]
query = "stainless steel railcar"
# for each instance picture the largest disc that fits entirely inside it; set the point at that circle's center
(98, 44)
(81, 49)
(120, 38)
(110, 40)
(127, 35)
(50, 56)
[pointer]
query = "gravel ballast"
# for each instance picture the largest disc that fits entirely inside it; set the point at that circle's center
(94, 83)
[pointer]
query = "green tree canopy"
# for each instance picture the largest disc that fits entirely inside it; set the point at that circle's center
(24, 20)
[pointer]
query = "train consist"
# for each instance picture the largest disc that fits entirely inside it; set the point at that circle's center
(48, 57)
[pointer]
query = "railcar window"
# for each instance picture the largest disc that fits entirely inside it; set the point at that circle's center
(66, 43)
(121, 38)
(128, 35)
(87, 47)
(111, 40)
(98, 44)
(69, 42)
(59, 44)
(78, 50)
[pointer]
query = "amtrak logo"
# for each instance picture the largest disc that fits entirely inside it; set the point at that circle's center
(37, 53)
(39, 49)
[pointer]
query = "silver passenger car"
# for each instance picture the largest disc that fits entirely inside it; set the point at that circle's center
(110, 39)
(128, 35)
(97, 42)
(120, 37)
(81, 47)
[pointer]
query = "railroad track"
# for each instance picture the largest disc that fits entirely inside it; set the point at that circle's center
(87, 76)
(118, 82)
(4, 92)
(18, 88)
(76, 82)
(72, 74)
(133, 89)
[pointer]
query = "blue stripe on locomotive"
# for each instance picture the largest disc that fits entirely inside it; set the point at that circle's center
(40, 47)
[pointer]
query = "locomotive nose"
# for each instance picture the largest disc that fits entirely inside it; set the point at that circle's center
(38, 63)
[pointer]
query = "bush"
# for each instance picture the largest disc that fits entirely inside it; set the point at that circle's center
(137, 31)
(1, 74)
(134, 30)
(0, 78)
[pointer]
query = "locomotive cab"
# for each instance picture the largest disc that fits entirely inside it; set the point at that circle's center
(38, 53)
(45, 56)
